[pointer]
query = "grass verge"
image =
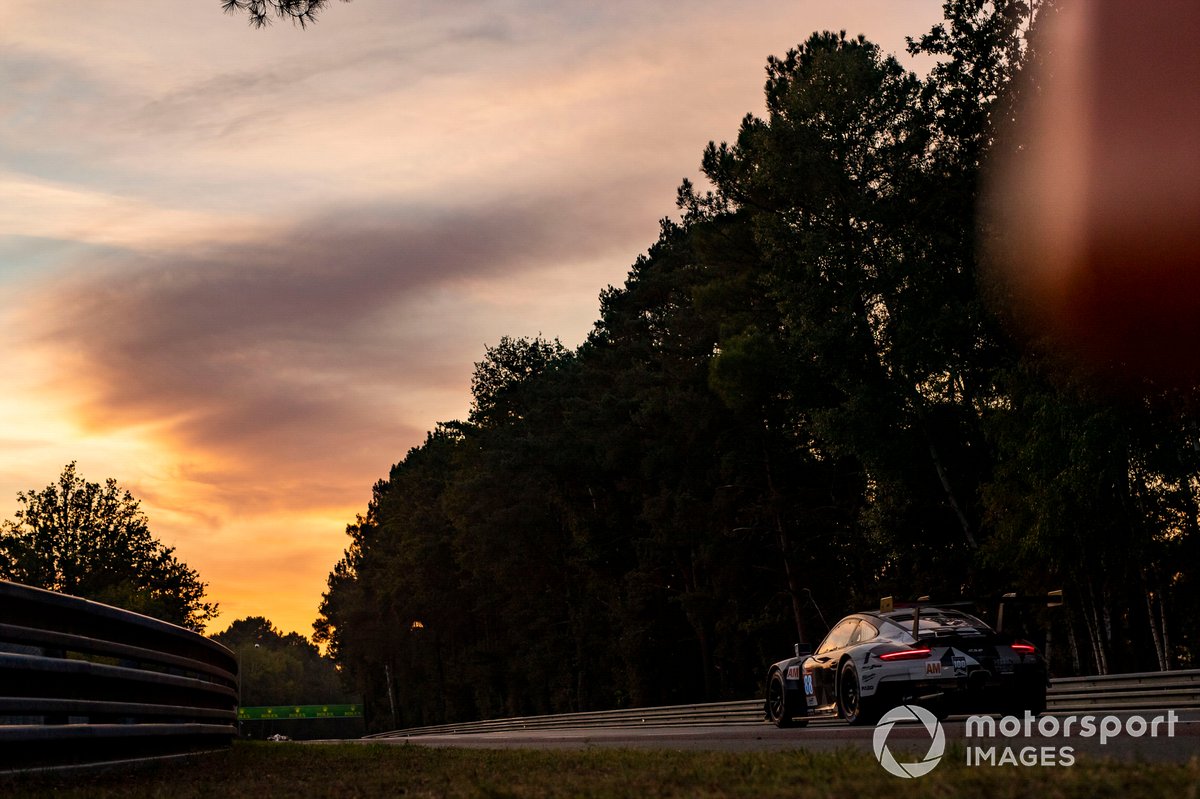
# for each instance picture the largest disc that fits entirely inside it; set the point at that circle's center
(294, 770)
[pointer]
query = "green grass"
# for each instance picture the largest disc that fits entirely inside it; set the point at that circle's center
(294, 770)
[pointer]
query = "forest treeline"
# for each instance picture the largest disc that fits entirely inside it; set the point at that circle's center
(804, 397)
(278, 669)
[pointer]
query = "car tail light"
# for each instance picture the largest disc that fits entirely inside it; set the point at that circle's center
(907, 654)
(1023, 647)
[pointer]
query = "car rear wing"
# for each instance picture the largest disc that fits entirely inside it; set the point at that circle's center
(1053, 599)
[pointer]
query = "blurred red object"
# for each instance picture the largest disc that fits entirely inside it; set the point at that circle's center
(1093, 201)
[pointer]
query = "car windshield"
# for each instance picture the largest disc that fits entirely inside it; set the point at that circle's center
(934, 622)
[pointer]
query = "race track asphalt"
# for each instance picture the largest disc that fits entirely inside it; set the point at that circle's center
(826, 735)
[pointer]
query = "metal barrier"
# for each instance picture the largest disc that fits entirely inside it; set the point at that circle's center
(82, 682)
(1146, 691)
(1142, 691)
(743, 711)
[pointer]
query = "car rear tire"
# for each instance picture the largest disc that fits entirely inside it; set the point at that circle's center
(851, 704)
(779, 710)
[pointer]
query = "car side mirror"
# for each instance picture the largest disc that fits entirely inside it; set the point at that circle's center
(803, 650)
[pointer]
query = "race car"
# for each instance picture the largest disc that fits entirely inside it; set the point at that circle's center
(941, 658)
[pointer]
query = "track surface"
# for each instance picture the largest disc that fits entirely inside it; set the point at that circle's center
(830, 735)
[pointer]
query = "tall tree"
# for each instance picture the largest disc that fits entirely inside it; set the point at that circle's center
(833, 182)
(93, 541)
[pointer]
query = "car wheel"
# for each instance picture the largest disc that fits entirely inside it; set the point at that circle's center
(851, 704)
(779, 712)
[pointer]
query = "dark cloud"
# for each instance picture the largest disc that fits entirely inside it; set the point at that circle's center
(301, 350)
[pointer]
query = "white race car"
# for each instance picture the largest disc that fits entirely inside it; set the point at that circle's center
(943, 659)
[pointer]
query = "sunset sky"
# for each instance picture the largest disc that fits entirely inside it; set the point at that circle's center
(244, 271)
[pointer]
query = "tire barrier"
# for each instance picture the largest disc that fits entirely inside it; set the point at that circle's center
(86, 683)
(1145, 691)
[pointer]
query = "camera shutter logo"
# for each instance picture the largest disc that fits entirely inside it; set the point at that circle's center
(937, 746)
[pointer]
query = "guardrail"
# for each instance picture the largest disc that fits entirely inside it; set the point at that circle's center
(743, 711)
(82, 682)
(1144, 691)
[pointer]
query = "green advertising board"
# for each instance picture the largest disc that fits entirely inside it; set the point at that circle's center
(299, 712)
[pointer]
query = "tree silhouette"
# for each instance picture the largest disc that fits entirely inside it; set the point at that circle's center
(93, 541)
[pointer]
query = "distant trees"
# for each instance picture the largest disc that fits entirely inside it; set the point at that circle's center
(93, 541)
(278, 669)
(803, 397)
